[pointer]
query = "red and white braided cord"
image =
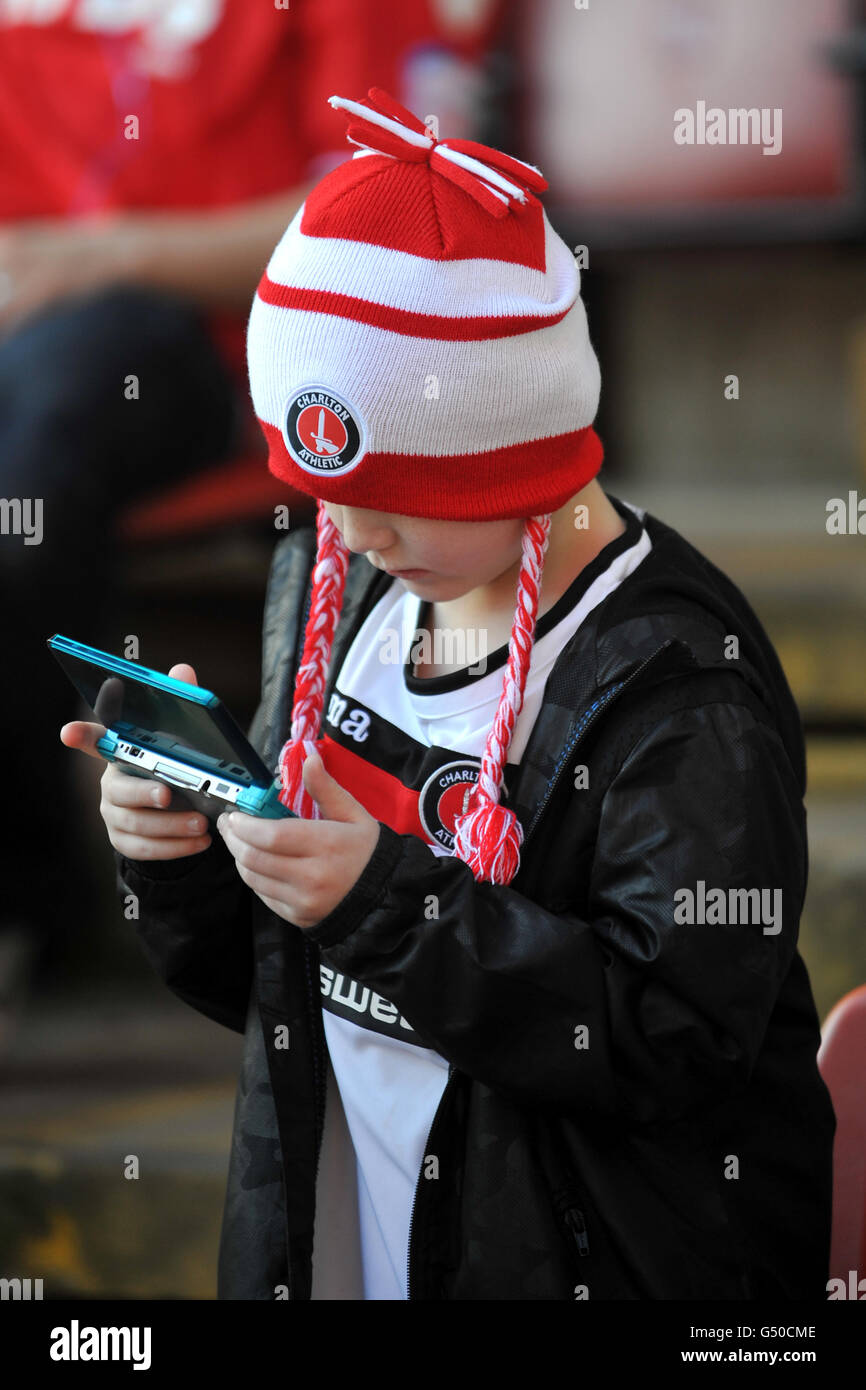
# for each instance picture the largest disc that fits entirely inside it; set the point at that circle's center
(329, 581)
(536, 534)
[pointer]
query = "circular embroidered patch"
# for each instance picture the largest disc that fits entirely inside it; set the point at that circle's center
(322, 432)
(443, 798)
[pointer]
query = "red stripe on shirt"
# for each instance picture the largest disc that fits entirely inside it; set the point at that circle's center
(380, 793)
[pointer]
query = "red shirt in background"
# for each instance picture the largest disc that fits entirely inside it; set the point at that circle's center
(193, 104)
(230, 96)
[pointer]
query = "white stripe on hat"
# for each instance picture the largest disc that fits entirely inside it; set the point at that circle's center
(492, 392)
(463, 289)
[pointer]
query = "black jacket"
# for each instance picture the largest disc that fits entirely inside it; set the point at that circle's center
(633, 1107)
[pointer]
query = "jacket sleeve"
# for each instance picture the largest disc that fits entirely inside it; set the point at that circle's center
(633, 1012)
(195, 921)
(194, 924)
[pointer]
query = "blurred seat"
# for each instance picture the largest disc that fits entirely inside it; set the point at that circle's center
(194, 562)
(840, 1061)
(242, 489)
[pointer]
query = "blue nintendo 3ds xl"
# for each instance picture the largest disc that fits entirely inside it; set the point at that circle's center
(162, 728)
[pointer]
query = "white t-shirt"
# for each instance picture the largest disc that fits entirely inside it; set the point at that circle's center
(408, 749)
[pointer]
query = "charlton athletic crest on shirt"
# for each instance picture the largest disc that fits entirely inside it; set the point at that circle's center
(323, 433)
(444, 798)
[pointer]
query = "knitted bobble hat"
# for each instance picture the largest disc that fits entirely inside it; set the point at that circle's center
(418, 346)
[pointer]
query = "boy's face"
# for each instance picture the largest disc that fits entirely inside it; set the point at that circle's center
(442, 559)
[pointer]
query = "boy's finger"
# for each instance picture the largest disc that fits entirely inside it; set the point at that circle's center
(82, 736)
(182, 671)
(136, 848)
(291, 836)
(127, 790)
(158, 825)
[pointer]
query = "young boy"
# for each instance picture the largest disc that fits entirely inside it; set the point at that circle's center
(524, 1015)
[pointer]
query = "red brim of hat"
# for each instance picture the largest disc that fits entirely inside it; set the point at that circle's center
(521, 480)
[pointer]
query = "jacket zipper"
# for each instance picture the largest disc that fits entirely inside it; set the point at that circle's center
(303, 628)
(576, 1223)
(319, 1063)
(451, 1071)
(567, 1201)
(319, 1084)
(415, 1200)
(298, 657)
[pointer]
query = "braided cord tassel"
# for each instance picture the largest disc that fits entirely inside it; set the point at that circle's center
(488, 836)
(329, 582)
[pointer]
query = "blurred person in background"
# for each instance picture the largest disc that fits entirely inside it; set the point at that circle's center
(153, 151)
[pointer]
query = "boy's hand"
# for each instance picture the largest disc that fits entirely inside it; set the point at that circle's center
(144, 818)
(302, 868)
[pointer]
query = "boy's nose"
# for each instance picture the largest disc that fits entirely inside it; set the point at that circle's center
(364, 530)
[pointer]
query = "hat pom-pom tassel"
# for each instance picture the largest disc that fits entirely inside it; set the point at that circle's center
(290, 766)
(488, 840)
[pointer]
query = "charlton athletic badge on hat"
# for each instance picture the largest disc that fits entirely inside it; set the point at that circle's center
(323, 433)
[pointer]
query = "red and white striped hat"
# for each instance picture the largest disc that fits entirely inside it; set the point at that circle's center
(418, 345)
